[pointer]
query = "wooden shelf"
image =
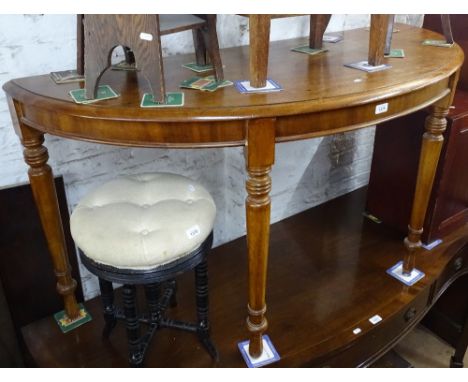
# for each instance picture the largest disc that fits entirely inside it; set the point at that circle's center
(326, 277)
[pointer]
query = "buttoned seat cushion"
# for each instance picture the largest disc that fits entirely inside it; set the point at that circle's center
(143, 221)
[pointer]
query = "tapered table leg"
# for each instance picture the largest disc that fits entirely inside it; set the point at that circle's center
(45, 196)
(430, 151)
(260, 151)
(259, 35)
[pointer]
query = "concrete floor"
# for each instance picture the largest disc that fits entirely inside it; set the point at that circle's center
(421, 348)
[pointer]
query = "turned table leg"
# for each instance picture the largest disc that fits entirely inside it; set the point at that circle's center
(43, 188)
(260, 150)
(430, 151)
(259, 35)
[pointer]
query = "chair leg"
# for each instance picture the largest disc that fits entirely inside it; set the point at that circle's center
(149, 60)
(318, 25)
(377, 39)
(107, 297)
(212, 46)
(203, 330)
(133, 326)
(200, 48)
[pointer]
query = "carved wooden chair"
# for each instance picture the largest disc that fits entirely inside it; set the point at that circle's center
(140, 35)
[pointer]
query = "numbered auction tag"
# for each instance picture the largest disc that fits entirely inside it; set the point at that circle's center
(375, 319)
(382, 108)
(146, 36)
(193, 231)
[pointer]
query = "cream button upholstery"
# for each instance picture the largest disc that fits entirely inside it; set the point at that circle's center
(143, 221)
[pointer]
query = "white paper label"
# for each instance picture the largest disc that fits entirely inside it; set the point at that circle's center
(193, 232)
(146, 36)
(375, 319)
(382, 108)
(357, 331)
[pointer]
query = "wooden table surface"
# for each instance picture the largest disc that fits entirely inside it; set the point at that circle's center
(320, 97)
(321, 287)
(311, 84)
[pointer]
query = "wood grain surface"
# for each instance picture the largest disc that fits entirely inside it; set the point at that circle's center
(326, 277)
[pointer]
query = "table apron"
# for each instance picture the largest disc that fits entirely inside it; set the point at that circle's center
(328, 122)
(222, 133)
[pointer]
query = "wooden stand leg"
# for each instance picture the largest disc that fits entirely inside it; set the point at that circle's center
(260, 152)
(79, 44)
(150, 62)
(43, 188)
(200, 48)
(388, 39)
(377, 37)
(259, 36)
(429, 157)
(447, 28)
(211, 42)
(318, 25)
(96, 60)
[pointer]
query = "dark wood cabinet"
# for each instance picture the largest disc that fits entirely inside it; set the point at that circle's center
(395, 164)
(396, 155)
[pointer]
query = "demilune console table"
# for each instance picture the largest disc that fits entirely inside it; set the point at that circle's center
(327, 265)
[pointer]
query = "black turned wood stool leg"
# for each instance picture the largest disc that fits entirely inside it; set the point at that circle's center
(203, 328)
(172, 284)
(160, 292)
(107, 296)
(133, 325)
(152, 293)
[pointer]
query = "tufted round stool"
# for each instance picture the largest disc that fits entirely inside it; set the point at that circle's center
(146, 229)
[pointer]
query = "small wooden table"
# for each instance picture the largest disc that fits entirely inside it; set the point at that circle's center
(320, 97)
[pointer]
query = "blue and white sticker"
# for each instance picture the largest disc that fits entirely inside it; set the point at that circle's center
(397, 272)
(432, 245)
(374, 320)
(269, 354)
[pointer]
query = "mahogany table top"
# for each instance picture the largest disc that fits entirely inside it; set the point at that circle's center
(313, 87)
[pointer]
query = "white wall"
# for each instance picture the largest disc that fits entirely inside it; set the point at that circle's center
(306, 173)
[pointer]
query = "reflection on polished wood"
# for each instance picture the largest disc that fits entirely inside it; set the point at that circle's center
(326, 278)
(320, 97)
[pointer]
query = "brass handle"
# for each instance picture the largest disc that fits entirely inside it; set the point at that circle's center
(410, 313)
(458, 263)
